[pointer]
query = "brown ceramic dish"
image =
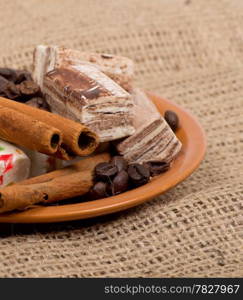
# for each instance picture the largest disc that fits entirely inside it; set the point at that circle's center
(194, 146)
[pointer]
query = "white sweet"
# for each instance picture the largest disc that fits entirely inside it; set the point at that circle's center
(14, 164)
(40, 163)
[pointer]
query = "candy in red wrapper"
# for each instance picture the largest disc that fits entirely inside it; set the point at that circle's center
(14, 164)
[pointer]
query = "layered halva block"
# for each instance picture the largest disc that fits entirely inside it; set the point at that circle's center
(84, 94)
(153, 139)
(84, 87)
(118, 68)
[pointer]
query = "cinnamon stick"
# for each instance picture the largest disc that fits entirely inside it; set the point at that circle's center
(86, 164)
(56, 189)
(58, 185)
(77, 138)
(23, 130)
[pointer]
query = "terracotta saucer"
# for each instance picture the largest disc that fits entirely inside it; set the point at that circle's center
(194, 146)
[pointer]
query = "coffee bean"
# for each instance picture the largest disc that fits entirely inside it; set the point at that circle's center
(157, 167)
(8, 89)
(28, 88)
(9, 74)
(120, 183)
(138, 174)
(105, 171)
(3, 83)
(99, 190)
(119, 162)
(172, 119)
(22, 75)
(15, 76)
(38, 102)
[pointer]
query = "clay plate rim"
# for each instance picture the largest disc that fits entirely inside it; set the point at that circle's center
(193, 150)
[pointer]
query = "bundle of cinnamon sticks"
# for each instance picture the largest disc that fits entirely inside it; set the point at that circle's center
(65, 183)
(53, 135)
(44, 132)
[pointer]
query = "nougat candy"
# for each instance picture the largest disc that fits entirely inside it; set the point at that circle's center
(14, 164)
(40, 163)
(118, 68)
(84, 94)
(153, 139)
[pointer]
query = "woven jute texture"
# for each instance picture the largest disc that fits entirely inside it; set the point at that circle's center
(189, 51)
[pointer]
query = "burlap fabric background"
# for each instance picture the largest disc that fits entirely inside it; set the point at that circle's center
(190, 51)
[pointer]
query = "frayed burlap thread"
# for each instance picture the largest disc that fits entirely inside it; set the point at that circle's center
(189, 51)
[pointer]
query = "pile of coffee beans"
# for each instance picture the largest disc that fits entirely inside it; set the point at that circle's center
(117, 176)
(17, 85)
